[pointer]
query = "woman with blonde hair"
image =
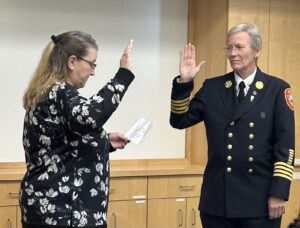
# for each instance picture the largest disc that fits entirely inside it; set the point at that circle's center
(66, 147)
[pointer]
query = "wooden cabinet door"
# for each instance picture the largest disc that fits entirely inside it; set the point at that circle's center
(127, 214)
(129, 188)
(167, 213)
(19, 217)
(9, 193)
(192, 213)
(8, 217)
(174, 186)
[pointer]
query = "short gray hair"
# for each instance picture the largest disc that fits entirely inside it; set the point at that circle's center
(252, 30)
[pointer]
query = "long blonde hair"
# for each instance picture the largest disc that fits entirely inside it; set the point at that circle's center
(53, 65)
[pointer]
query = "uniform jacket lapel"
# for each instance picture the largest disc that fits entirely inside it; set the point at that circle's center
(228, 95)
(254, 95)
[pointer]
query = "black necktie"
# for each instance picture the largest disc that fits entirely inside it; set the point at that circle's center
(241, 91)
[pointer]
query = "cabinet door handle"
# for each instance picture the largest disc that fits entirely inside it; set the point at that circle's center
(180, 217)
(114, 220)
(9, 223)
(186, 187)
(13, 194)
(193, 217)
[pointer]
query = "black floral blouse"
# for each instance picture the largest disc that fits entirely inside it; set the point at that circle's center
(67, 155)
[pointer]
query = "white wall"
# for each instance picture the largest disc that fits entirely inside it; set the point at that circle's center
(159, 28)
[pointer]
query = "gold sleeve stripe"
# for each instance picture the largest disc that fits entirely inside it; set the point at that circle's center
(181, 104)
(179, 108)
(289, 177)
(284, 172)
(291, 152)
(180, 101)
(291, 156)
(282, 175)
(284, 164)
(179, 112)
(284, 168)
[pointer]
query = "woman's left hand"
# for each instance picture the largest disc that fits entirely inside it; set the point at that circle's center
(276, 207)
(118, 140)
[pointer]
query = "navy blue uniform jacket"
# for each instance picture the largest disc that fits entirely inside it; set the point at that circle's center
(250, 145)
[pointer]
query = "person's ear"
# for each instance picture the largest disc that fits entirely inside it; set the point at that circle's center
(257, 53)
(71, 62)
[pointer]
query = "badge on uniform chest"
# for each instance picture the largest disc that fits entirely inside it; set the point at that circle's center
(263, 115)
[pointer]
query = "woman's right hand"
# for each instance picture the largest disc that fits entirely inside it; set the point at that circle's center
(118, 140)
(125, 61)
(188, 68)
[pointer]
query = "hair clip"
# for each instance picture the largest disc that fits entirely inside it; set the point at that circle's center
(54, 39)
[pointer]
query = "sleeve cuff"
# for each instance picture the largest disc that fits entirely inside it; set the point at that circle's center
(124, 76)
(181, 90)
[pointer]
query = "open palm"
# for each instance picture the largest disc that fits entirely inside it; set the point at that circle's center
(188, 68)
(125, 61)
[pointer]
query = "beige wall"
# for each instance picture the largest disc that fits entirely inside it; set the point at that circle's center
(159, 28)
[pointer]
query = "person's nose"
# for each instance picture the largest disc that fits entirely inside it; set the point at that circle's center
(93, 72)
(232, 52)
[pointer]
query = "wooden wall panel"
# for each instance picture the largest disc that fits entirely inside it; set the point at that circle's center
(208, 35)
(284, 51)
(207, 31)
(252, 11)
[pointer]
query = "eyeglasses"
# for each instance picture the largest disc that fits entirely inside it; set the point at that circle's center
(93, 65)
(234, 48)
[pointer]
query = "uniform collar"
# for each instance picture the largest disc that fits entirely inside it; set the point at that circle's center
(255, 92)
(248, 81)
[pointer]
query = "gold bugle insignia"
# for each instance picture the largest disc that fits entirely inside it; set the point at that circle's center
(259, 85)
(228, 84)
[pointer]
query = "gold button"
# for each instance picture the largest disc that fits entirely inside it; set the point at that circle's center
(250, 170)
(250, 147)
(229, 146)
(250, 159)
(230, 134)
(228, 170)
(251, 124)
(232, 123)
(229, 158)
(251, 136)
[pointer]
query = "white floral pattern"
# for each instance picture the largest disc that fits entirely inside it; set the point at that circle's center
(67, 155)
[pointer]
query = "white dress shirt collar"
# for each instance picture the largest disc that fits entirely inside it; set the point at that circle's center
(248, 81)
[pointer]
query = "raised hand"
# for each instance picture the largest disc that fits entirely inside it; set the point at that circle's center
(188, 68)
(125, 61)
